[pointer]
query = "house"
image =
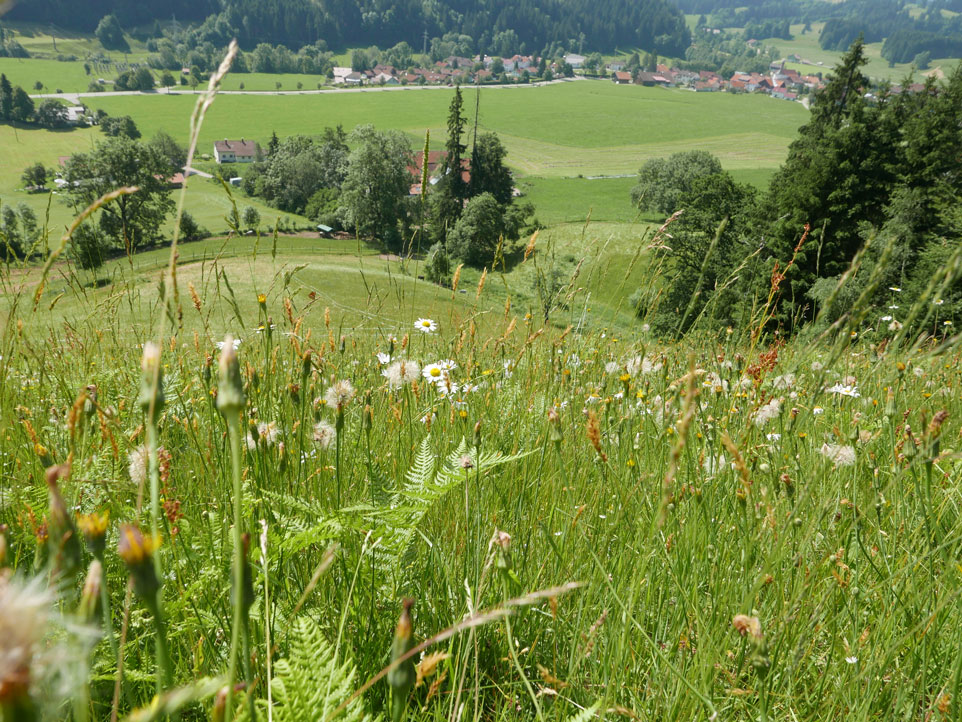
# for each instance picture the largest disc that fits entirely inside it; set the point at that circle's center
(76, 114)
(651, 79)
(615, 66)
(355, 78)
(783, 94)
(235, 151)
(385, 79)
(622, 77)
(340, 74)
(436, 160)
(575, 60)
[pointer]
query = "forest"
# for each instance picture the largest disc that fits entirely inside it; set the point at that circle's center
(653, 25)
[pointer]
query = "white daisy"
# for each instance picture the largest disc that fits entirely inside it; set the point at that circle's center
(383, 358)
(847, 390)
(426, 325)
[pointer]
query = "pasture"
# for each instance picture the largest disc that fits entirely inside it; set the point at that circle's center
(553, 135)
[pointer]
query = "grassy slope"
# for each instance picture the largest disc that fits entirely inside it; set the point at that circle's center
(807, 47)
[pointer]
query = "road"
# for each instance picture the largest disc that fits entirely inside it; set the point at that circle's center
(75, 97)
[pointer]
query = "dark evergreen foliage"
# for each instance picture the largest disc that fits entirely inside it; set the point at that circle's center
(654, 25)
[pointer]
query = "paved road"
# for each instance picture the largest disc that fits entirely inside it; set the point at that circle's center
(75, 97)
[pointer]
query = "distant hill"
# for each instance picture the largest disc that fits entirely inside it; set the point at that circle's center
(653, 25)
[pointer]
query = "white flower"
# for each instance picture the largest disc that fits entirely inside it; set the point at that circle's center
(574, 361)
(886, 318)
(447, 365)
(428, 417)
(851, 660)
(785, 381)
(766, 413)
(137, 465)
(838, 455)
(895, 288)
(918, 371)
(433, 373)
(324, 434)
(847, 390)
(774, 437)
(892, 308)
(384, 359)
(508, 369)
(818, 411)
(426, 325)
(236, 344)
(24, 608)
(340, 394)
(895, 326)
(269, 432)
(939, 302)
(400, 373)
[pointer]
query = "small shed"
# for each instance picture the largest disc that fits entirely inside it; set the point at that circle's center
(324, 231)
(236, 181)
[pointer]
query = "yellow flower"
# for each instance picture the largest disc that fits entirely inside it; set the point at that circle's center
(134, 548)
(93, 525)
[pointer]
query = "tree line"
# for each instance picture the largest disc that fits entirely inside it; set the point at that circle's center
(866, 207)
(653, 25)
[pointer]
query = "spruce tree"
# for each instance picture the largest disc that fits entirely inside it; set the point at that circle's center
(839, 174)
(451, 190)
(6, 99)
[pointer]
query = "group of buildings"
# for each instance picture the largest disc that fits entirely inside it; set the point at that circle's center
(453, 69)
(780, 82)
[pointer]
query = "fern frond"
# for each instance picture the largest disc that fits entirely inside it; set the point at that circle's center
(309, 684)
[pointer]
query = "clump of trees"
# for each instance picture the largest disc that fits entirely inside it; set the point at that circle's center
(665, 184)
(15, 104)
(130, 221)
(472, 211)
(299, 167)
(870, 181)
(111, 35)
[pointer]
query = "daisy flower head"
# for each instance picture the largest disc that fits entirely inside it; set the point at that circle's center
(849, 390)
(400, 373)
(235, 342)
(434, 373)
(426, 325)
(383, 358)
(340, 394)
(447, 365)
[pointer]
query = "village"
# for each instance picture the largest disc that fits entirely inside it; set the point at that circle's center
(781, 82)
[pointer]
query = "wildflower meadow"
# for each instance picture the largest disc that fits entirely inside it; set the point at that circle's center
(218, 506)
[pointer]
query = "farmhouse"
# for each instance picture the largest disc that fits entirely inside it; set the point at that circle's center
(622, 77)
(575, 60)
(235, 151)
(436, 160)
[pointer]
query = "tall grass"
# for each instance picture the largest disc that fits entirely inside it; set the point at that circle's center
(591, 524)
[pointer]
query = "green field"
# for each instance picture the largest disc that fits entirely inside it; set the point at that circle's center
(583, 127)
(605, 130)
(806, 46)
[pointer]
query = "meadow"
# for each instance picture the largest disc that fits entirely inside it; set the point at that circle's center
(592, 524)
(806, 46)
(287, 479)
